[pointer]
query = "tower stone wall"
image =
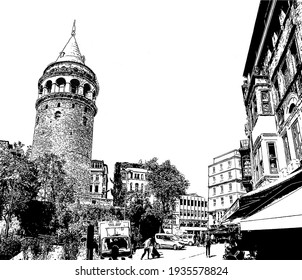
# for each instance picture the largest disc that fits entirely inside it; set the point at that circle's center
(65, 111)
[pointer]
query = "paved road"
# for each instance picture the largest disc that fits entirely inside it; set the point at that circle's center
(190, 252)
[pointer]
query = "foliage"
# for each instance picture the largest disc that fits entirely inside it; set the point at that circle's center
(18, 182)
(167, 184)
(57, 189)
(71, 241)
(9, 247)
(35, 218)
(118, 192)
(136, 207)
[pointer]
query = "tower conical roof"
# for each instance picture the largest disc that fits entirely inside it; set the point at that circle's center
(71, 51)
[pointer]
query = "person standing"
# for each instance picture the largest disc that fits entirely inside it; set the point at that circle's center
(147, 245)
(208, 245)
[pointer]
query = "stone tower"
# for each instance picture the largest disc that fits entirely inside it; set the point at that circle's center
(65, 111)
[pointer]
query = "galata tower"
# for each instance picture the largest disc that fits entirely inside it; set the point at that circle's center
(65, 111)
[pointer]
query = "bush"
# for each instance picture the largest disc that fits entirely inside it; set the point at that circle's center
(9, 247)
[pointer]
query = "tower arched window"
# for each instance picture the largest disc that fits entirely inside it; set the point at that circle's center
(87, 88)
(84, 121)
(291, 108)
(61, 83)
(74, 85)
(57, 114)
(48, 86)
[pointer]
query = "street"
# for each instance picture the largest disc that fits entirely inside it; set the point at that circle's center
(189, 252)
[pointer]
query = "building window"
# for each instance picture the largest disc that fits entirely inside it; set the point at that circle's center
(59, 105)
(230, 175)
(142, 187)
(230, 187)
(221, 166)
(231, 199)
(185, 202)
(142, 177)
(221, 189)
(266, 106)
(214, 202)
(90, 189)
(222, 201)
(214, 180)
(180, 201)
(86, 89)
(297, 139)
(136, 187)
(272, 158)
(57, 115)
(286, 148)
(213, 169)
(221, 177)
(130, 186)
(74, 85)
(229, 164)
(96, 188)
(254, 109)
(72, 105)
(214, 191)
(198, 203)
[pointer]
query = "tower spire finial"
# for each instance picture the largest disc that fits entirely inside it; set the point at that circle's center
(73, 32)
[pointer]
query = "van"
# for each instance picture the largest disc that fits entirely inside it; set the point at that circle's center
(167, 240)
(187, 239)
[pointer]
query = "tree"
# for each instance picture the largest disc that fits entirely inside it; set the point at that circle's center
(167, 184)
(18, 182)
(118, 191)
(56, 188)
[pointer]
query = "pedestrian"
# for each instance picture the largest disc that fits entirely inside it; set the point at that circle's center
(208, 245)
(147, 245)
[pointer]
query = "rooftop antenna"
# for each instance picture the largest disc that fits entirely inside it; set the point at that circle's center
(73, 28)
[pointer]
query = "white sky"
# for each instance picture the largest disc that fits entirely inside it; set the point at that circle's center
(170, 75)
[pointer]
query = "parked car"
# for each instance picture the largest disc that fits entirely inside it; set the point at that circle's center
(187, 239)
(167, 240)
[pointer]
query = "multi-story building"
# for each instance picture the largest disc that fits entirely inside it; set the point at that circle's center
(65, 111)
(272, 91)
(99, 182)
(224, 184)
(133, 176)
(191, 213)
(272, 97)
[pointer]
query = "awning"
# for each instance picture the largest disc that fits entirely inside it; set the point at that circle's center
(285, 212)
(256, 200)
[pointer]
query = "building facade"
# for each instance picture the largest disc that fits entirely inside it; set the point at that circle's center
(224, 184)
(65, 111)
(272, 91)
(98, 189)
(191, 213)
(133, 176)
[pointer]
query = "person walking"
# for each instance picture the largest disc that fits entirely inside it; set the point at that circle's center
(147, 245)
(208, 245)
